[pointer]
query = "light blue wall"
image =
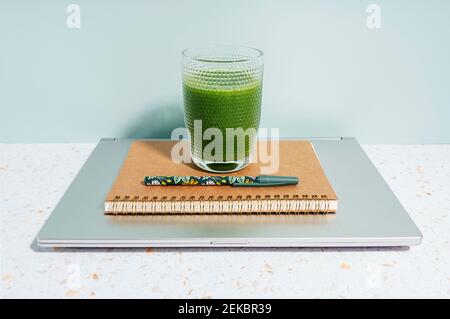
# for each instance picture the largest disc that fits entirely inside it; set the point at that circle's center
(326, 73)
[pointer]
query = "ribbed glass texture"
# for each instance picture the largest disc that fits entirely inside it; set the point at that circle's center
(222, 88)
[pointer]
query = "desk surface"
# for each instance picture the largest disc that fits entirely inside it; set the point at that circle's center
(34, 177)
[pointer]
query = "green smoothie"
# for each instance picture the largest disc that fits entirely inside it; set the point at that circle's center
(229, 100)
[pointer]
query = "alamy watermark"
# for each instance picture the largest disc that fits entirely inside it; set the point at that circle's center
(239, 142)
(73, 277)
(73, 20)
(373, 20)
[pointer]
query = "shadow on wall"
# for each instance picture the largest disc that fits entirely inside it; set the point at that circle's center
(157, 121)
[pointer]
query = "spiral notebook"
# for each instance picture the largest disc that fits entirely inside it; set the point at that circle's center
(129, 195)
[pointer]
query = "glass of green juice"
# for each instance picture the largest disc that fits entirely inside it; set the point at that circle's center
(222, 88)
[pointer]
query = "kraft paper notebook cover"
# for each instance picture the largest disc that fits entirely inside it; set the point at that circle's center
(129, 195)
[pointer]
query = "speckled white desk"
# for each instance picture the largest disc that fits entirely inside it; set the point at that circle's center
(33, 177)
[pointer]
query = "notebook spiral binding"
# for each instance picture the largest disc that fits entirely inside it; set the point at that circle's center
(305, 204)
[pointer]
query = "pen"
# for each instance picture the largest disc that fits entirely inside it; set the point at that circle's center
(236, 181)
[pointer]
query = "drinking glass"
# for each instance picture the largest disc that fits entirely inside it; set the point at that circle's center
(222, 88)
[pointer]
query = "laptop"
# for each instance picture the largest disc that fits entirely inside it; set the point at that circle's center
(369, 214)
